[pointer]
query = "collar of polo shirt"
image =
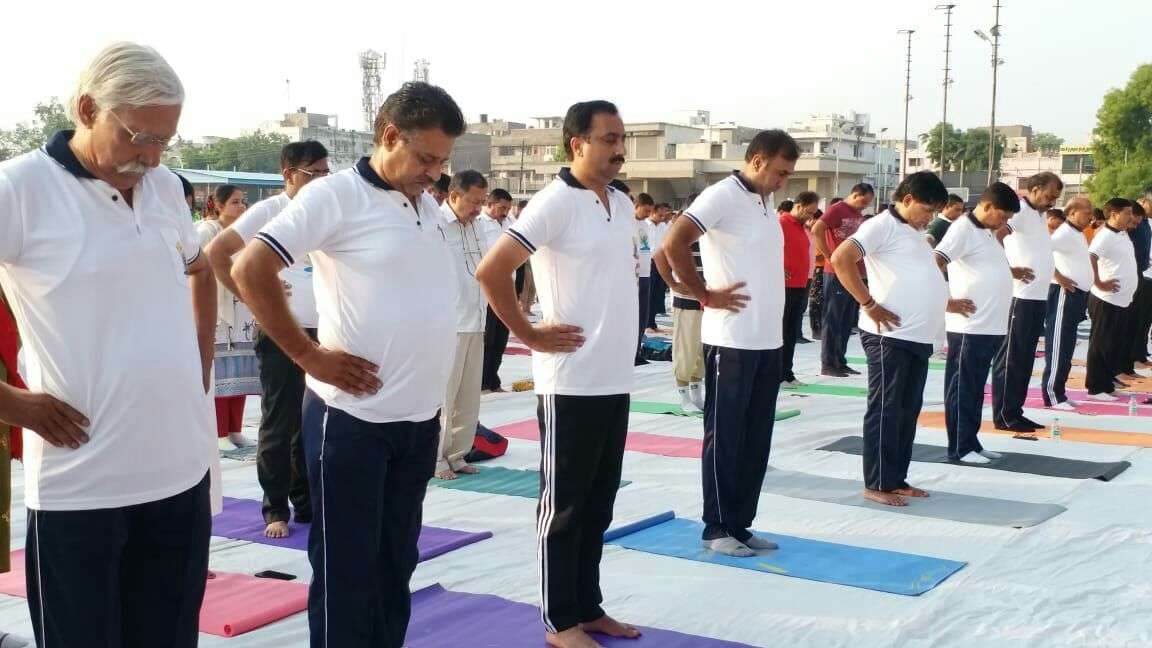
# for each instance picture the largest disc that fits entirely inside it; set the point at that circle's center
(976, 221)
(57, 148)
(744, 182)
(896, 214)
(364, 168)
(1073, 226)
(1111, 228)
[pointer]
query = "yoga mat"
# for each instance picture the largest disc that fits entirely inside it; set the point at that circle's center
(932, 364)
(240, 454)
(242, 520)
(827, 562)
(519, 351)
(1138, 386)
(644, 407)
(499, 481)
(1011, 461)
(828, 390)
(1035, 400)
(654, 444)
(638, 525)
(1085, 435)
(940, 506)
(444, 618)
(233, 603)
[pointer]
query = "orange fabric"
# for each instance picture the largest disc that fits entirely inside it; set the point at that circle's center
(1084, 435)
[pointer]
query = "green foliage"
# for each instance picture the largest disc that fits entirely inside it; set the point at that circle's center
(1047, 143)
(50, 117)
(967, 149)
(1123, 146)
(258, 152)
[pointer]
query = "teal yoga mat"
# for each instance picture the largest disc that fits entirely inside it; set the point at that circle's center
(645, 407)
(499, 481)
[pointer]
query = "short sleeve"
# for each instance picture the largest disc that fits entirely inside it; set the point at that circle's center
(832, 218)
(540, 222)
(11, 222)
(955, 243)
(204, 231)
(1099, 246)
(189, 239)
(253, 220)
(872, 236)
(306, 224)
(709, 207)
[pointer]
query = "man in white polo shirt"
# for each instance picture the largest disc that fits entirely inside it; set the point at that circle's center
(644, 208)
(494, 221)
(1067, 300)
(387, 304)
(901, 313)
(280, 452)
(578, 231)
(1115, 281)
(467, 244)
(980, 292)
(1029, 249)
(742, 247)
(116, 306)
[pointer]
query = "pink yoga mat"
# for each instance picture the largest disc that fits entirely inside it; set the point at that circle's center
(522, 351)
(1119, 408)
(657, 444)
(233, 603)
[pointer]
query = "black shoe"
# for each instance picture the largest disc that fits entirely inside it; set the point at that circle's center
(303, 518)
(849, 370)
(640, 362)
(1027, 421)
(834, 372)
(803, 340)
(1016, 427)
(815, 335)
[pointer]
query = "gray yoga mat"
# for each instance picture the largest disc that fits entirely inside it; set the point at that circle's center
(1011, 461)
(940, 506)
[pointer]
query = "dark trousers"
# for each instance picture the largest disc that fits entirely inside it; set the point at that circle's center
(643, 285)
(495, 343)
(1108, 344)
(739, 414)
(581, 456)
(280, 453)
(1065, 312)
(969, 359)
(795, 299)
(1142, 321)
(897, 371)
(368, 482)
(129, 577)
(816, 301)
(1012, 366)
(841, 313)
(656, 294)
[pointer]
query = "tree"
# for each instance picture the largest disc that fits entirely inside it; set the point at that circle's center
(976, 149)
(50, 117)
(1047, 143)
(258, 152)
(1122, 150)
(967, 150)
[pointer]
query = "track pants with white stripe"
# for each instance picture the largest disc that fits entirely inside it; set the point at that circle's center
(1109, 344)
(122, 577)
(897, 371)
(1012, 366)
(581, 456)
(367, 484)
(1065, 312)
(969, 358)
(739, 414)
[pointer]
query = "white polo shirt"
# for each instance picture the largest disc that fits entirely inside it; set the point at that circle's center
(1030, 246)
(977, 270)
(644, 248)
(101, 297)
(491, 227)
(302, 301)
(1115, 259)
(385, 290)
(1070, 255)
(742, 241)
(467, 244)
(903, 277)
(656, 234)
(585, 276)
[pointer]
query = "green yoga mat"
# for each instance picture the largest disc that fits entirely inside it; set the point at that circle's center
(828, 390)
(643, 407)
(932, 364)
(499, 481)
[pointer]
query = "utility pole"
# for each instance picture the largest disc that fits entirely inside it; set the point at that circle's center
(907, 100)
(947, 82)
(996, 62)
(521, 167)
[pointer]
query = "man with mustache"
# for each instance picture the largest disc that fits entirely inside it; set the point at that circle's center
(117, 307)
(578, 232)
(376, 379)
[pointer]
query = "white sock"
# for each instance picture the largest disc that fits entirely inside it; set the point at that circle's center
(686, 402)
(974, 458)
(729, 546)
(696, 390)
(239, 440)
(760, 544)
(224, 444)
(988, 454)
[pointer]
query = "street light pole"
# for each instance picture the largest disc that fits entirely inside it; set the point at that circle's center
(879, 180)
(907, 100)
(947, 82)
(996, 61)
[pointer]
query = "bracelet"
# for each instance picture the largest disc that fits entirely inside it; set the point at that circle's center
(868, 304)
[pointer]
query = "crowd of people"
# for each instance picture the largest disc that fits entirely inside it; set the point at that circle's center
(371, 308)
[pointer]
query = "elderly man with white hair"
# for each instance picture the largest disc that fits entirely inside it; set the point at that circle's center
(116, 306)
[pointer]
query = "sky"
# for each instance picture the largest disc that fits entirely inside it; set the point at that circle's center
(761, 63)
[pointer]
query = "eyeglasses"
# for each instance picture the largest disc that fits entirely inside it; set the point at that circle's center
(143, 139)
(313, 173)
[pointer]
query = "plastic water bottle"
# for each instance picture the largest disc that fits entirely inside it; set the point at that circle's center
(1056, 429)
(1131, 405)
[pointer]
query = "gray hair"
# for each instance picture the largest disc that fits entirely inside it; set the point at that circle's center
(127, 74)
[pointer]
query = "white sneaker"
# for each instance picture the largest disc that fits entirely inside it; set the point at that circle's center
(1103, 397)
(975, 458)
(686, 402)
(239, 440)
(760, 544)
(696, 391)
(1064, 406)
(989, 454)
(729, 546)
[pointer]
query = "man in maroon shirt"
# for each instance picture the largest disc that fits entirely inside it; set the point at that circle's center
(797, 264)
(840, 310)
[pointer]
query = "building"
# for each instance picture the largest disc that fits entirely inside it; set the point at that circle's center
(344, 146)
(1074, 165)
(1017, 138)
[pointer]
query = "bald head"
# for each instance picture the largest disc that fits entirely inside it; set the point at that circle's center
(1078, 211)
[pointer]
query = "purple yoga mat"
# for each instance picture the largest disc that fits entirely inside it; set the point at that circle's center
(1083, 405)
(242, 520)
(443, 618)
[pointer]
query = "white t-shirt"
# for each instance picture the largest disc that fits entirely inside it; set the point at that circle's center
(979, 271)
(102, 300)
(467, 244)
(656, 234)
(302, 301)
(1030, 246)
(902, 277)
(644, 248)
(385, 290)
(742, 241)
(1070, 254)
(1115, 259)
(585, 276)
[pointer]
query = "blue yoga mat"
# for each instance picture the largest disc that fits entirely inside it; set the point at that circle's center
(498, 481)
(827, 562)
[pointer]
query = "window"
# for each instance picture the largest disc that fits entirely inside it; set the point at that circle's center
(506, 151)
(717, 152)
(1077, 163)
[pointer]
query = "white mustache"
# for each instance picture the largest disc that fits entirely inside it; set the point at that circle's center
(133, 168)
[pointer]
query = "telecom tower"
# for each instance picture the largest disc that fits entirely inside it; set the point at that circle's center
(421, 71)
(371, 64)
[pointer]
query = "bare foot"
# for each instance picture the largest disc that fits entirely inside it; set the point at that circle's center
(890, 499)
(573, 637)
(446, 475)
(611, 627)
(276, 530)
(467, 469)
(911, 491)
